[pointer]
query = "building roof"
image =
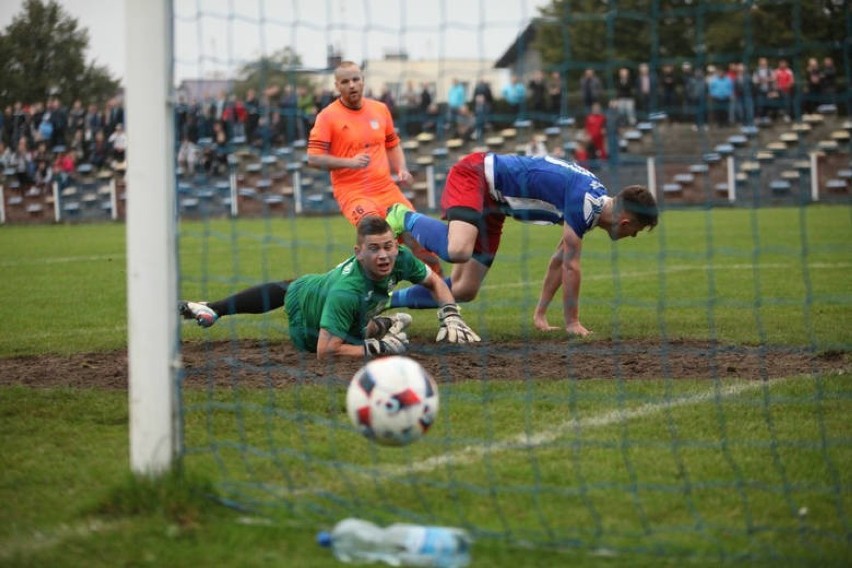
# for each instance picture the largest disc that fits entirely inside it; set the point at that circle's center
(519, 46)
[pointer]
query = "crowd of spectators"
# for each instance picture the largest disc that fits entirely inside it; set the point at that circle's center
(45, 142)
(717, 95)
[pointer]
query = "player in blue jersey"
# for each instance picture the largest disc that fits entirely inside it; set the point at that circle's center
(482, 189)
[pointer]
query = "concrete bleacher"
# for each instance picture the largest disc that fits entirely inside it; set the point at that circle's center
(772, 165)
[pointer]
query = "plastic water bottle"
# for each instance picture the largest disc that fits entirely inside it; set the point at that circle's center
(356, 540)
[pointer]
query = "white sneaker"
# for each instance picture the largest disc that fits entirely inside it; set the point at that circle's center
(203, 315)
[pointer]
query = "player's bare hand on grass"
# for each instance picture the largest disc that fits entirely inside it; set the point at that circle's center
(453, 329)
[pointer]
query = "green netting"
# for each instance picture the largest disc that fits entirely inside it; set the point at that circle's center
(707, 417)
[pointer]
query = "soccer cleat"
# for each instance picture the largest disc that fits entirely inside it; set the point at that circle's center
(203, 315)
(396, 218)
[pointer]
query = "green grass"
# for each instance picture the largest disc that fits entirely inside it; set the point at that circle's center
(545, 472)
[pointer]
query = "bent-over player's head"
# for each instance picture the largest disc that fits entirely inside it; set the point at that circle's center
(376, 249)
(349, 82)
(634, 209)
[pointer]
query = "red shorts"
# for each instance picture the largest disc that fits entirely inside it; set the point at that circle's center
(466, 198)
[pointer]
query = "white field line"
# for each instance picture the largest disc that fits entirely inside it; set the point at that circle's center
(525, 441)
(44, 539)
(61, 260)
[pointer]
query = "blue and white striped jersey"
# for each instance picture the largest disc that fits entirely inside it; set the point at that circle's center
(545, 190)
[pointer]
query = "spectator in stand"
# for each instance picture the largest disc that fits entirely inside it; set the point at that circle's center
(41, 152)
(63, 168)
(118, 144)
(21, 125)
(219, 106)
(99, 150)
(829, 81)
(277, 128)
(307, 111)
(115, 114)
(44, 132)
(465, 123)
(59, 120)
(409, 98)
(813, 85)
(93, 123)
(78, 147)
(554, 93)
(22, 161)
(668, 90)
(388, 98)
(188, 156)
(8, 126)
(695, 96)
(456, 98)
(252, 107)
(765, 88)
(515, 95)
(5, 156)
(537, 90)
(36, 114)
(289, 105)
(480, 113)
(43, 176)
(235, 117)
(76, 118)
(721, 90)
(409, 116)
(595, 128)
(425, 99)
(322, 98)
(590, 89)
(216, 156)
(625, 98)
(743, 111)
(646, 85)
(785, 80)
(483, 102)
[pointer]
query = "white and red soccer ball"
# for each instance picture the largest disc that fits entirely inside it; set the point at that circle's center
(392, 401)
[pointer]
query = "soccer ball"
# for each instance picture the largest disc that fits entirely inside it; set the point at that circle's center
(392, 401)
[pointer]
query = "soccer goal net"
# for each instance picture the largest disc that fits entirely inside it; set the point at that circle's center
(707, 413)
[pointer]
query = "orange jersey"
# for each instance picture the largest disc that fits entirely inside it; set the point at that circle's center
(344, 132)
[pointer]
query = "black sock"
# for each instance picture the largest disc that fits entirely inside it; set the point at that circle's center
(256, 300)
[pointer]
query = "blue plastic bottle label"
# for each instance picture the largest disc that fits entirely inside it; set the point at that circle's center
(433, 541)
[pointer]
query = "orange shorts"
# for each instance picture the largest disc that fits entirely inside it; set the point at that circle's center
(357, 207)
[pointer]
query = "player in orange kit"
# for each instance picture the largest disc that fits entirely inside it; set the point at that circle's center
(354, 138)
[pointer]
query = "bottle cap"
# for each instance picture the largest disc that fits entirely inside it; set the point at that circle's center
(324, 539)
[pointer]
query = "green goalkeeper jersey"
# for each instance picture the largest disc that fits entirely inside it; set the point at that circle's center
(344, 299)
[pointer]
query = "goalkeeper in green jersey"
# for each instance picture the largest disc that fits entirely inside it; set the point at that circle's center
(337, 313)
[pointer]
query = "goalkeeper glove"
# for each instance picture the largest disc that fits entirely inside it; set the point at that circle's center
(395, 324)
(453, 328)
(390, 344)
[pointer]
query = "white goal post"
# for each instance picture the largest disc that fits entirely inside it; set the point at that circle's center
(153, 349)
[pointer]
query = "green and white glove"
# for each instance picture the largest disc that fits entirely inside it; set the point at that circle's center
(395, 324)
(453, 329)
(390, 344)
